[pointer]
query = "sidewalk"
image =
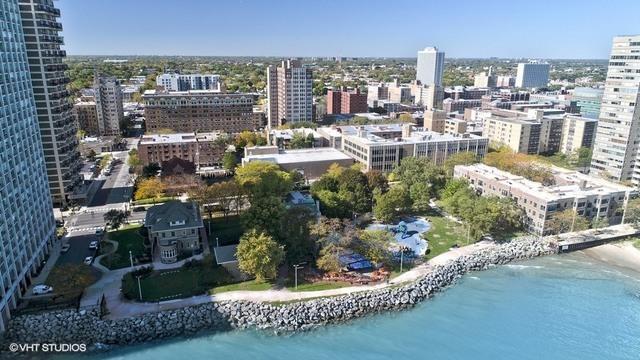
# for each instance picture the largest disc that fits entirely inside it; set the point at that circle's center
(120, 308)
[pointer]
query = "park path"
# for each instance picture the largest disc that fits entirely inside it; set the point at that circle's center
(121, 308)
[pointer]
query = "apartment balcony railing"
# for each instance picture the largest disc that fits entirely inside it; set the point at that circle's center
(49, 24)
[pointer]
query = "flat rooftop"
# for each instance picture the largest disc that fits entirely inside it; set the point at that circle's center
(176, 138)
(568, 183)
(416, 137)
(301, 156)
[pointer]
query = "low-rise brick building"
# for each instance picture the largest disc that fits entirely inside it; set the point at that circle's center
(200, 149)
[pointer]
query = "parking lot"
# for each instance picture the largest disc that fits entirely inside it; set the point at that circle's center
(79, 249)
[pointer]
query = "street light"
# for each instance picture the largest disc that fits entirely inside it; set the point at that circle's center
(296, 267)
(131, 259)
(139, 287)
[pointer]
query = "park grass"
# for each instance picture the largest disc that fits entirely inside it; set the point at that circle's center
(128, 239)
(250, 285)
(70, 280)
(228, 231)
(176, 283)
(443, 234)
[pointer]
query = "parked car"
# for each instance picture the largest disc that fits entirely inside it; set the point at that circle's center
(93, 245)
(65, 248)
(88, 260)
(99, 232)
(138, 208)
(42, 289)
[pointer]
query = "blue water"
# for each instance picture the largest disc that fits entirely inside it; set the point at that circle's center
(561, 307)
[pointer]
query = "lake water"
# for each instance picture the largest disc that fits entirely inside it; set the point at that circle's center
(560, 307)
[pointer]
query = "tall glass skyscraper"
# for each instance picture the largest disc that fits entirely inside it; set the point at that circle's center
(27, 227)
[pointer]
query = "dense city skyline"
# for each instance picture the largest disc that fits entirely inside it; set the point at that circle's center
(355, 28)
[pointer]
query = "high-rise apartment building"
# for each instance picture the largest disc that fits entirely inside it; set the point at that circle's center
(430, 68)
(179, 82)
(58, 126)
(87, 115)
(108, 104)
(532, 75)
(290, 93)
(615, 150)
(577, 132)
(27, 228)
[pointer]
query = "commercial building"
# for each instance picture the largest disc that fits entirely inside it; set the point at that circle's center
(615, 150)
(577, 132)
(27, 229)
(532, 75)
(505, 81)
(87, 115)
(199, 110)
(378, 153)
(311, 163)
(450, 105)
(588, 100)
(588, 196)
(176, 229)
(289, 93)
(485, 79)
(201, 149)
(346, 102)
(108, 97)
(179, 82)
(58, 126)
(430, 66)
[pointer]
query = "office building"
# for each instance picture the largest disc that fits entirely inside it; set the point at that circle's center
(376, 93)
(289, 93)
(588, 101)
(58, 126)
(430, 66)
(455, 126)
(505, 81)
(449, 105)
(615, 149)
(588, 196)
(179, 82)
(577, 132)
(485, 79)
(434, 120)
(346, 102)
(108, 98)
(27, 229)
(427, 96)
(400, 94)
(532, 75)
(378, 153)
(199, 110)
(199, 148)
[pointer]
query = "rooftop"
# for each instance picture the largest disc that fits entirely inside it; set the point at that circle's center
(302, 155)
(173, 215)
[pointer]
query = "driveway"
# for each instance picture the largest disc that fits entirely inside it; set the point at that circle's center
(79, 249)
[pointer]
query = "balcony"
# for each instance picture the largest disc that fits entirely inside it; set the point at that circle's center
(53, 53)
(57, 67)
(48, 9)
(52, 39)
(49, 24)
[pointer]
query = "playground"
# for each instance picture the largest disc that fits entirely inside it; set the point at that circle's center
(408, 233)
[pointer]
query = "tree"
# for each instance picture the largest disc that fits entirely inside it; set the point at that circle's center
(599, 222)
(150, 170)
(332, 205)
(566, 221)
(259, 255)
(392, 203)
(461, 158)
(406, 118)
(422, 178)
(264, 215)
(329, 260)
(115, 218)
(377, 180)
(583, 155)
(295, 235)
(632, 215)
(249, 138)
(374, 245)
(91, 154)
(262, 179)
(300, 141)
(354, 188)
(229, 161)
(150, 188)
(133, 160)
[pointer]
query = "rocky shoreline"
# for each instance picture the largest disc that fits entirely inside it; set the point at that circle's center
(70, 326)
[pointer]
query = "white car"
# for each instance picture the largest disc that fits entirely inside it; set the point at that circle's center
(42, 289)
(88, 260)
(99, 232)
(93, 245)
(65, 248)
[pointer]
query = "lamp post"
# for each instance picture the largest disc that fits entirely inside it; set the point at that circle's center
(139, 288)
(296, 267)
(131, 259)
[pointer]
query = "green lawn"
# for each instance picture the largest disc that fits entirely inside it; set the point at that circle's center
(250, 285)
(175, 283)
(443, 234)
(228, 231)
(128, 239)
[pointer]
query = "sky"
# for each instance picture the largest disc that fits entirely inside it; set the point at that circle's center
(568, 29)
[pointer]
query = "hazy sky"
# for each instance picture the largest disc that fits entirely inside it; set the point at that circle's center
(394, 28)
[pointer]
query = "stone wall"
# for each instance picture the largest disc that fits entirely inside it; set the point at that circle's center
(70, 326)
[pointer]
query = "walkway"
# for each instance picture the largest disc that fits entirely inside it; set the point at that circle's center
(120, 308)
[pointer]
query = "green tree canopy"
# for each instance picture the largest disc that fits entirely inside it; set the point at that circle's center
(262, 179)
(259, 255)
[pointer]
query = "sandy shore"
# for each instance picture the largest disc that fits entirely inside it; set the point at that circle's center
(622, 254)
